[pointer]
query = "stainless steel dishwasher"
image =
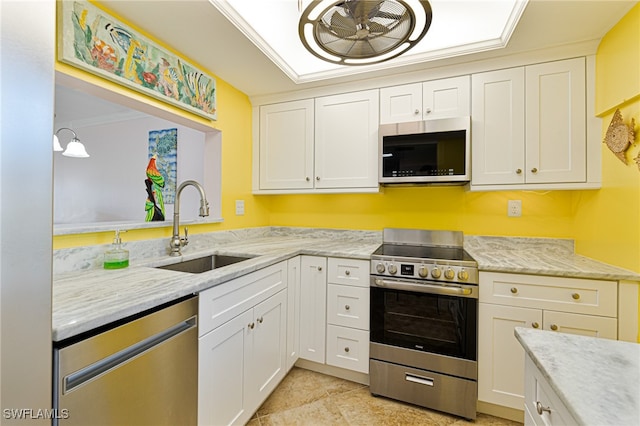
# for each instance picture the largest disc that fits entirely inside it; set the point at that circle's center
(141, 372)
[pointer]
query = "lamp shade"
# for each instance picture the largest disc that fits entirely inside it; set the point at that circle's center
(75, 149)
(56, 144)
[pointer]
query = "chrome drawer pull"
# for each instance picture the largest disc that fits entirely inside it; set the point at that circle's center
(347, 307)
(417, 379)
(346, 349)
(514, 290)
(535, 325)
(554, 327)
(347, 272)
(575, 296)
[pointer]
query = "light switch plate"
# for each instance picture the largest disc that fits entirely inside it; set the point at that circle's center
(239, 207)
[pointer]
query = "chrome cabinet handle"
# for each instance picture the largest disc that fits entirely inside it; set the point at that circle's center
(428, 111)
(260, 320)
(519, 171)
(535, 325)
(514, 290)
(554, 327)
(317, 177)
(320, 268)
(347, 272)
(307, 179)
(575, 296)
(534, 170)
(347, 307)
(416, 112)
(251, 325)
(346, 349)
(541, 409)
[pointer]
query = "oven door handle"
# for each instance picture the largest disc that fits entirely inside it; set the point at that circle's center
(463, 291)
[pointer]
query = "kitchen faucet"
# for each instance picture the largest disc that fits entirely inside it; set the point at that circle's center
(178, 242)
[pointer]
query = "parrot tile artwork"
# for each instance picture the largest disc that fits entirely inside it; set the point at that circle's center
(161, 172)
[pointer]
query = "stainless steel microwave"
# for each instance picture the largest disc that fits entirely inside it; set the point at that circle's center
(423, 152)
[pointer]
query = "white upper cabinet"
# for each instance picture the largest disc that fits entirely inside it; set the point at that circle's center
(346, 141)
(529, 128)
(446, 98)
(556, 122)
(286, 145)
(497, 127)
(326, 144)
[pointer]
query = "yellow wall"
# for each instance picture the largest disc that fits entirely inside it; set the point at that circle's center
(608, 220)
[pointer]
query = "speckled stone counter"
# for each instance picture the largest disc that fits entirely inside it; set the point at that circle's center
(85, 296)
(542, 256)
(598, 380)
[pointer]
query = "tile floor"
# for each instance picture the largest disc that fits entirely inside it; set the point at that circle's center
(308, 398)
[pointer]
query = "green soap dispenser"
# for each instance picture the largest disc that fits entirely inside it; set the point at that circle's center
(116, 257)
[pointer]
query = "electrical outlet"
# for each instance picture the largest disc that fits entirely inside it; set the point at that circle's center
(514, 208)
(239, 207)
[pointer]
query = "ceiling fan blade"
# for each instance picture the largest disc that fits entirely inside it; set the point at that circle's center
(343, 24)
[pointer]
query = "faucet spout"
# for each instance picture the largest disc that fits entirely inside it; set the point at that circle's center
(178, 242)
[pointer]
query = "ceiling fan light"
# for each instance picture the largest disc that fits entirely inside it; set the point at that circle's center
(360, 32)
(75, 149)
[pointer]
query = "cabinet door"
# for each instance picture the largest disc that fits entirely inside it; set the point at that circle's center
(585, 325)
(497, 126)
(268, 359)
(400, 104)
(446, 98)
(313, 311)
(556, 122)
(286, 145)
(346, 140)
(500, 355)
(222, 373)
(293, 311)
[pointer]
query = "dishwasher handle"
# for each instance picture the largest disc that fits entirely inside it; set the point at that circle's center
(100, 367)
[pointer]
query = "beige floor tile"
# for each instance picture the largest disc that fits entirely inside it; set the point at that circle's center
(359, 407)
(318, 413)
(307, 398)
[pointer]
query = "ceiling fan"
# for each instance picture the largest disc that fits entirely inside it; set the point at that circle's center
(363, 32)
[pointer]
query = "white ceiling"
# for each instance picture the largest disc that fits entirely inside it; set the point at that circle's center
(205, 36)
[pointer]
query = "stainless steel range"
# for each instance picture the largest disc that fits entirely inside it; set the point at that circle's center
(424, 319)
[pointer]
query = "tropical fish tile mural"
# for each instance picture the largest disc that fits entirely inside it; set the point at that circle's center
(91, 39)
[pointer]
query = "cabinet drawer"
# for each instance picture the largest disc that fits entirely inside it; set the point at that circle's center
(221, 303)
(348, 306)
(348, 272)
(585, 325)
(577, 295)
(348, 348)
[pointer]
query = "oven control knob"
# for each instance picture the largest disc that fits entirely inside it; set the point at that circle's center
(435, 272)
(393, 269)
(380, 268)
(423, 271)
(449, 274)
(463, 275)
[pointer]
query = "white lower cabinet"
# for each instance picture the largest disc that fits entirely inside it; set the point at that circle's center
(542, 406)
(242, 359)
(334, 312)
(568, 305)
(313, 307)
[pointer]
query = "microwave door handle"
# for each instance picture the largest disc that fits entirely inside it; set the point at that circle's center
(425, 288)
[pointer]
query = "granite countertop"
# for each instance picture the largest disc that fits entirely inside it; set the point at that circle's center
(85, 296)
(598, 380)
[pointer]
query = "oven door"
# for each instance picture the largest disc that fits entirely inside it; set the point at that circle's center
(425, 316)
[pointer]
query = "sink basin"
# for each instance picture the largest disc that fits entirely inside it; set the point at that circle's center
(204, 264)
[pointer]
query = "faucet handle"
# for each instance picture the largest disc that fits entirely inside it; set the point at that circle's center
(185, 240)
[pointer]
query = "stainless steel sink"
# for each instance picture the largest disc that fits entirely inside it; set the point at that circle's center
(204, 264)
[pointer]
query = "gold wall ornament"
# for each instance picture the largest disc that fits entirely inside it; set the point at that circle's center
(619, 136)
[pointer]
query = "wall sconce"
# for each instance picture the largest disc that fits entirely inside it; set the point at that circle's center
(74, 149)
